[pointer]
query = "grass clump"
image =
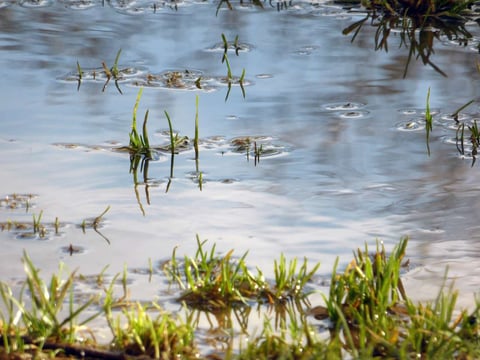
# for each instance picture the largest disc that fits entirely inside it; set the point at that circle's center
(296, 340)
(139, 143)
(212, 281)
(369, 308)
(36, 318)
(161, 337)
(112, 72)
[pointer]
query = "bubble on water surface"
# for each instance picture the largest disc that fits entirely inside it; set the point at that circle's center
(461, 44)
(264, 76)
(35, 3)
(125, 73)
(28, 235)
(81, 4)
(327, 9)
(72, 249)
(410, 125)
(4, 4)
(72, 146)
(433, 112)
(140, 7)
(213, 142)
(347, 106)
(451, 123)
(459, 117)
(408, 111)
(305, 50)
(265, 146)
(181, 79)
(175, 79)
(449, 140)
(231, 47)
(17, 201)
(381, 187)
(353, 114)
(233, 81)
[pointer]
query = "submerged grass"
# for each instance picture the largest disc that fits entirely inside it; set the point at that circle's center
(369, 313)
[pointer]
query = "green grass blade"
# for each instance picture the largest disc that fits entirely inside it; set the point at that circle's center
(146, 142)
(172, 138)
(115, 64)
(428, 122)
(195, 140)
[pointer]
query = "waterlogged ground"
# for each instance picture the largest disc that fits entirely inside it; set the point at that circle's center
(343, 156)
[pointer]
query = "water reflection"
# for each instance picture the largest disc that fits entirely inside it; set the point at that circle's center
(417, 28)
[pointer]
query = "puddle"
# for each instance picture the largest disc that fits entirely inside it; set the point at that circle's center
(319, 148)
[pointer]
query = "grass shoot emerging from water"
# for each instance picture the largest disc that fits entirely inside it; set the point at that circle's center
(460, 134)
(196, 138)
(95, 223)
(230, 78)
(428, 122)
(139, 144)
(80, 75)
(113, 72)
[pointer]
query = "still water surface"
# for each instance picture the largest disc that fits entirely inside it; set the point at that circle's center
(343, 169)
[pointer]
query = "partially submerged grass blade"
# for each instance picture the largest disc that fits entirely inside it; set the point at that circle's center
(229, 69)
(172, 137)
(428, 122)
(240, 81)
(80, 75)
(145, 141)
(114, 70)
(195, 140)
(455, 114)
(135, 141)
(225, 47)
(229, 85)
